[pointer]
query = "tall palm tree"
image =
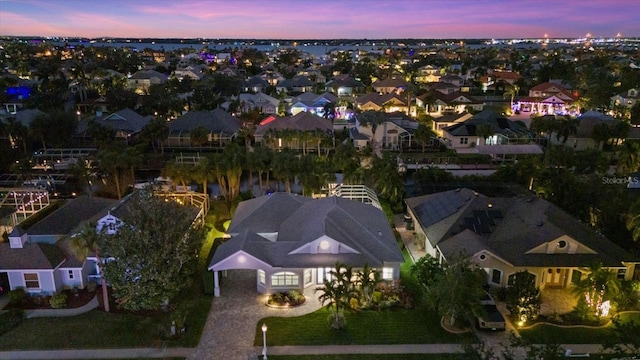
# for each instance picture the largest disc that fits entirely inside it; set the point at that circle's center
(512, 92)
(87, 241)
(601, 133)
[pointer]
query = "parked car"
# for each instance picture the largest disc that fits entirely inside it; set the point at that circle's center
(491, 318)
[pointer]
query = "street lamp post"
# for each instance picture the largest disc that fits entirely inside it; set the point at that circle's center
(264, 341)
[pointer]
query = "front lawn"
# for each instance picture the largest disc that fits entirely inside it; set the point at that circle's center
(549, 334)
(97, 329)
(398, 326)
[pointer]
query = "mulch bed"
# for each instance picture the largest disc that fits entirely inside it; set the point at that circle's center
(74, 300)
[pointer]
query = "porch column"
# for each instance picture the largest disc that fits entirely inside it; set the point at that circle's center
(216, 285)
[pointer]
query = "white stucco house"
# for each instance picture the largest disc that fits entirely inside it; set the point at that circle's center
(293, 241)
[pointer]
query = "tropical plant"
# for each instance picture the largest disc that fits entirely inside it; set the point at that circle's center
(523, 297)
(423, 135)
(633, 221)
(456, 291)
(512, 92)
(485, 131)
(337, 291)
(426, 269)
(87, 240)
(367, 280)
(600, 285)
(601, 133)
(152, 257)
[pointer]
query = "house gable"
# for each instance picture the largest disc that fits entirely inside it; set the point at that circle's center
(324, 245)
(562, 245)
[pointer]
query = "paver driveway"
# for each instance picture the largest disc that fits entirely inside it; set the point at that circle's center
(232, 321)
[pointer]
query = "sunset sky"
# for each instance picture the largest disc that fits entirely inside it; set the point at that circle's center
(320, 19)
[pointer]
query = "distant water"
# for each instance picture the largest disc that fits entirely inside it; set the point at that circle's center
(317, 50)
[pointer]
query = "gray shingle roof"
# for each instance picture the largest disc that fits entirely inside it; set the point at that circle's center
(216, 120)
(302, 121)
(299, 220)
(125, 120)
(30, 256)
(509, 227)
(70, 215)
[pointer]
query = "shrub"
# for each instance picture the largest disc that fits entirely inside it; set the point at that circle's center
(91, 287)
(16, 296)
(58, 301)
(627, 298)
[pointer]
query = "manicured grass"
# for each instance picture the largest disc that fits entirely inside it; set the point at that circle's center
(371, 357)
(398, 326)
(548, 334)
(97, 329)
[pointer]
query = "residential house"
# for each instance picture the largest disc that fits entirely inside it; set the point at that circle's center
(126, 123)
(195, 72)
(259, 101)
(344, 85)
(293, 242)
(39, 258)
(311, 102)
(549, 98)
(452, 103)
(628, 98)
(396, 132)
(507, 235)
(392, 85)
(449, 119)
(295, 132)
(143, 79)
(220, 126)
(582, 139)
(255, 84)
(298, 84)
(429, 74)
(464, 135)
(390, 102)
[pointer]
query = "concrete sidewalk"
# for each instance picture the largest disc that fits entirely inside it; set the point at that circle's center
(135, 353)
(93, 304)
(139, 353)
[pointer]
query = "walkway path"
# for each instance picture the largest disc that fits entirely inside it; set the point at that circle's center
(93, 304)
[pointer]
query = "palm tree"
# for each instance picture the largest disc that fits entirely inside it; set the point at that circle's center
(285, 167)
(512, 92)
(629, 158)
(601, 133)
(633, 221)
(484, 131)
(156, 131)
(367, 280)
(424, 134)
(336, 293)
(599, 285)
(199, 136)
(87, 241)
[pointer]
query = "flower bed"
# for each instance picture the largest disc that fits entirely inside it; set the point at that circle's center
(286, 299)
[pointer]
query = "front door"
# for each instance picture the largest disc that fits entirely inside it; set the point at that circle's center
(555, 277)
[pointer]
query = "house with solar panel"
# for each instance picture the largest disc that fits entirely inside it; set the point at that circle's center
(292, 241)
(508, 235)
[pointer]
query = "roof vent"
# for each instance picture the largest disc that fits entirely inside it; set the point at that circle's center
(540, 223)
(529, 199)
(458, 190)
(379, 233)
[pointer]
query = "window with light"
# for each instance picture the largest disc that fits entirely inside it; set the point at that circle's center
(387, 273)
(284, 279)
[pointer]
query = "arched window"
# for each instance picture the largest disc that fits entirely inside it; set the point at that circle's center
(284, 278)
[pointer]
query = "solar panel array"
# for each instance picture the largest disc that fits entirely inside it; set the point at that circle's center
(440, 206)
(482, 220)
